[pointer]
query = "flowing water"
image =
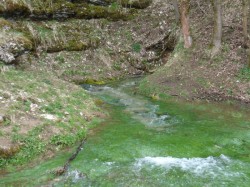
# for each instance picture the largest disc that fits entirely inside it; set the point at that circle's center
(152, 143)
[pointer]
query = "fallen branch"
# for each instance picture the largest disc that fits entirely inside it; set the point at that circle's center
(64, 169)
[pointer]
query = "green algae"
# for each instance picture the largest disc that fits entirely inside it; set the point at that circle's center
(210, 140)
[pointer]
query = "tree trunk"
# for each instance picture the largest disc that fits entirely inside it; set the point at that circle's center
(184, 8)
(244, 22)
(177, 13)
(248, 55)
(245, 7)
(217, 33)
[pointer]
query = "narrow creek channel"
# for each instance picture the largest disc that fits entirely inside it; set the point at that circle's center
(152, 143)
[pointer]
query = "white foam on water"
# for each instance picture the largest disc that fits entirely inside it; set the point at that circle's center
(210, 166)
(141, 110)
(75, 175)
(109, 163)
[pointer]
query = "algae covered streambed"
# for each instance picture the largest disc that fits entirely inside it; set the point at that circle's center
(153, 143)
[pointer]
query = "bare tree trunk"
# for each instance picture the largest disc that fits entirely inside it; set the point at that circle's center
(184, 8)
(245, 6)
(244, 22)
(177, 13)
(217, 34)
(248, 58)
(245, 13)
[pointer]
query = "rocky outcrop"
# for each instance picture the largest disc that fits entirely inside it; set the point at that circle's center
(131, 3)
(125, 3)
(12, 42)
(99, 50)
(61, 10)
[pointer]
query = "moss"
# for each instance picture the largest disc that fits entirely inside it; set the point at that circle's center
(5, 23)
(54, 48)
(16, 8)
(89, 11)
(76, 45)
(80, 80)
(132, 3)
(53, 36)
(93, 81)
(1, 9)
(25, 42)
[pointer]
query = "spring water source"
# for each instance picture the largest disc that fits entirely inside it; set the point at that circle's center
(152, 143)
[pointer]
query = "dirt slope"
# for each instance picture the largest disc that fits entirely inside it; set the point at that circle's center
(193, 73)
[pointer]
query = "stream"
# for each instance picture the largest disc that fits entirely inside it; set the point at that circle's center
(153, 143)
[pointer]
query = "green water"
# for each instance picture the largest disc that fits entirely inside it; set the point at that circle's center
(150, 143)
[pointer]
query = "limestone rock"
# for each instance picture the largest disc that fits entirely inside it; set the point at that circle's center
(1, 119)
(5, 56)
(12, 46)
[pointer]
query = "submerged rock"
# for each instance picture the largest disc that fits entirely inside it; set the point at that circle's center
(59, 171)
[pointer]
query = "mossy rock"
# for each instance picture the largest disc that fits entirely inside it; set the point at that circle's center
(1, 9)
(68, 37)
(5, 23)
(9, 152)
(90, 11)
(68, 45)
(25, 42)
(76, 45)
(61, 9)
(15, 8)
(140, 4)
(81, 80)
(93, 81)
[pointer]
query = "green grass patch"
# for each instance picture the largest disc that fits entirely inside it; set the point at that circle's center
(136, 47)
(244, 74)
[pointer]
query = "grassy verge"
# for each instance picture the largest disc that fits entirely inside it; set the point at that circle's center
(42, 115)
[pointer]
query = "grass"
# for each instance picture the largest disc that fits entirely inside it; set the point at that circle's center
(136, 47)
(244, 74)
(52, 96)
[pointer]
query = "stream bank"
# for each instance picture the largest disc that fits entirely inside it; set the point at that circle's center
(152, 143)
(42, 59)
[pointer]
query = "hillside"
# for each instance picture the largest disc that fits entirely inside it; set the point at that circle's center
(193, 73)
